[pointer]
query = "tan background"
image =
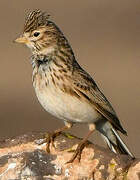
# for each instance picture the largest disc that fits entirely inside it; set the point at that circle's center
(105, 36)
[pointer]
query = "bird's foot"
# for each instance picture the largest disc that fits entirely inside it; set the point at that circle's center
(50, 139)
(78, 152)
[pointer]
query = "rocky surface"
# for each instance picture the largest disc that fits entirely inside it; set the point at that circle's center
(25, 158)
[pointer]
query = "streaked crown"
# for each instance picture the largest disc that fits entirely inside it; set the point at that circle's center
(35, 19)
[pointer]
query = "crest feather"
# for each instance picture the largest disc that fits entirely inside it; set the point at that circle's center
(35, 19)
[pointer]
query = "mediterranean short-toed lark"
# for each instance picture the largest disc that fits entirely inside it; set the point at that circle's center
(63, 88)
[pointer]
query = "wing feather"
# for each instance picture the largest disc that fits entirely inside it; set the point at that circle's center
(86, 86)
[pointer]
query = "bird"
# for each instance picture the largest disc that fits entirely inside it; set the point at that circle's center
(64, 88)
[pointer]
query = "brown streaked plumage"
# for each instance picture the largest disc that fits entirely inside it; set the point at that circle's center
(35, 19)
(63, 88)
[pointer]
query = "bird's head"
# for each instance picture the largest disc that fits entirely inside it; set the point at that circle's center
(40, 34)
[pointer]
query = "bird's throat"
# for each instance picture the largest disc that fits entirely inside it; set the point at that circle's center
(37, 60)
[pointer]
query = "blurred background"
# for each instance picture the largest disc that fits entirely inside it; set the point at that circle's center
(105, 36)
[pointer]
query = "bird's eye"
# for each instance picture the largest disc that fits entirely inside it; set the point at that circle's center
(36, 34)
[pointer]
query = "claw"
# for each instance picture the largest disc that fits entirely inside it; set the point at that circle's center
(78, 152)
(50, 140)
(51, 136)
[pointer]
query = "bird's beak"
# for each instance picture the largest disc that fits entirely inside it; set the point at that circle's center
(21, 39)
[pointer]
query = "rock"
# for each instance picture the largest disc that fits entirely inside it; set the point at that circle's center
(25, 158)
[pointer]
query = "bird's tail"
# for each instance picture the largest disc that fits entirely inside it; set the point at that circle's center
(112, 138)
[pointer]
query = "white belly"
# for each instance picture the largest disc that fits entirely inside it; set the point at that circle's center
(65, 106)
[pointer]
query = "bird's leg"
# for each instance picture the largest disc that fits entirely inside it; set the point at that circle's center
(82, 144)
(51, 136)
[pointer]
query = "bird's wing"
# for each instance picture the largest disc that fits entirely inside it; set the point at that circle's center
(87, 88)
